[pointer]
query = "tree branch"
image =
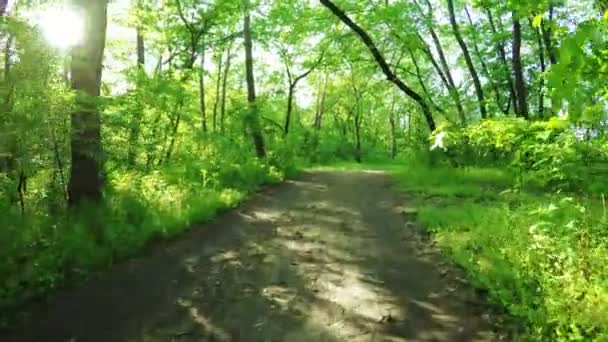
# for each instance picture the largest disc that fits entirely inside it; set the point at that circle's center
(381, 61)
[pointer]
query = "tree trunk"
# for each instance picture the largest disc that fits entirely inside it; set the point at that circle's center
(289, 109)
(422, 82)
(293, 83)
(467, 58)
(321, 104)
(253, 120)
(358, 156)
(391, 77)
(225, 86)
(548, 37)
(451, 85)
(541, 78)
(86, 181)
(136, 124)
(393, 130)
(502, 54)
(438, 69)
(141, 47)
(201, 88)
(220, 61)
(484, 66)
(520, 85)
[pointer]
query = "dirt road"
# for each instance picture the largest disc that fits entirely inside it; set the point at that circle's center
(329, 257)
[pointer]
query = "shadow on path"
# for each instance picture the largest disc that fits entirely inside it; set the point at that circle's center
(326, 258)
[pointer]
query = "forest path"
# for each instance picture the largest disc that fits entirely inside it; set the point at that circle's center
(328, 257)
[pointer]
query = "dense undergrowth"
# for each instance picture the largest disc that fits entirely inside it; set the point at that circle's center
(519, 207)
(116, 144)
(44, 250)
(541, 256)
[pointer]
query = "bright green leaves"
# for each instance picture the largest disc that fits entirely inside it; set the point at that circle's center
(538, 20)
(552, 152)
(572, 79)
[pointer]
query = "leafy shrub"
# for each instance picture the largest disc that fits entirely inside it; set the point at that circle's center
(543, 257)
(41, 252)
(550, 152)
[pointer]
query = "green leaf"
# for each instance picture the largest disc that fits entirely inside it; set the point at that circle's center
(538, 20)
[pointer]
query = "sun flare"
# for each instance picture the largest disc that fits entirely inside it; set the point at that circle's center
(62, 27)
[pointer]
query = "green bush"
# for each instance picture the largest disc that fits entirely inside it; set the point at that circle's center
(41, 252)
(541, 256)
(548, 152)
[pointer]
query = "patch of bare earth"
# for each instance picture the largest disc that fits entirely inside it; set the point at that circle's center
(333, 256)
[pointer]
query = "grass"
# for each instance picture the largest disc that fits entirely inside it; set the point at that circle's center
(541, 255)
(41, 253)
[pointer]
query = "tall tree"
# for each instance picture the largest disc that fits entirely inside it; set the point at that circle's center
(253, 120)
(547, 32)
(141, 63)
(321, 98)
(502, 55)
(467, 58)
(543, 67)
(356, 112)
(520, 85)
(390, 75)
(449, 80)
(293, 81)
(201, 90)
(423, 86)
(86, 181)
(220, 64)
(225, 84)
(484, 66)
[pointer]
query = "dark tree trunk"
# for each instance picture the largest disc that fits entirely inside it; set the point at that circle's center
(451, 85)
(220, 61)
(177, 112)
(548, 37)
(358, 153)
(356, 114)
(420, 78)
(169, 153)
(427, 51)
(502, 54)
(321, 103)
(253, 120)
(467, 58)
(520, 85)
(141, 48)
(391, 77)
(293, 83)
(86, 181)
(225, 86)
(484, 66)
(543, 68)
(289, 109)
(393, 124)
(551, 50)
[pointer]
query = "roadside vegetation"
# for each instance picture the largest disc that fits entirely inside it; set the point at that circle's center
(161, 114)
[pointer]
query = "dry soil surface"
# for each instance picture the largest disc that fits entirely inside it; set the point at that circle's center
(333, 256)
